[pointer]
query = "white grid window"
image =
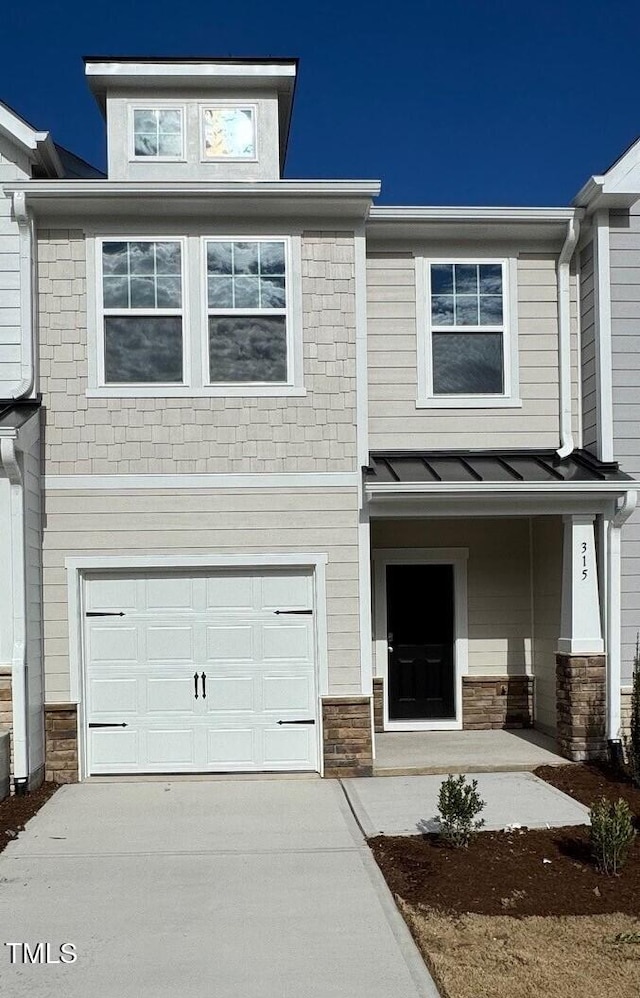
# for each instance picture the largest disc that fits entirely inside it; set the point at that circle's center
(157, 133)
(142, 312)
(247, 293)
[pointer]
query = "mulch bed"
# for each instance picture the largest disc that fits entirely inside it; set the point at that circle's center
(504, 873)
(16, 811)
(587, 781)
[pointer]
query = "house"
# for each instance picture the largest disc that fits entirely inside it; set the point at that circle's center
(282, 468)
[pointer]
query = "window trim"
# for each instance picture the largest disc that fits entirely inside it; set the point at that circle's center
(203, 106)
(426, 398)
(156, 105)
(156, 387)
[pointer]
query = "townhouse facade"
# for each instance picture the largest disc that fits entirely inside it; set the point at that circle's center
(283, 469)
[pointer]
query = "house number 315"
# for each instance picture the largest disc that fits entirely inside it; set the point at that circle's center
(585, 570)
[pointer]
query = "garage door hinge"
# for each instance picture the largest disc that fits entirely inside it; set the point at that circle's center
(310, 721)
(104, 613)
(293, 611)
(106, 724)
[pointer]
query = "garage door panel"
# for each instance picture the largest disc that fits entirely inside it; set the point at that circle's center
(169, 594)
(286, 693)
(171, 747)
(113, 696)
(169, 644)
(285, 591)
(112, 594)
(231, 694)
(115, 751)
(287, 748)
(113, 643)
(230, 592)
(234, 643)
(231, 747)
(170, 695)
(286, 642)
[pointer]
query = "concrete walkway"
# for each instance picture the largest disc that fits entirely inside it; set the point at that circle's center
(401, 753)
(407, 805)
(241, 889)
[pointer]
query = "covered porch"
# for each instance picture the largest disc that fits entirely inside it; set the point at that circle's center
(495, 583)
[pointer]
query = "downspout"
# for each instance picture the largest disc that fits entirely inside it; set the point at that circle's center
(10, 464)
(614, 637)
(567, 444)
(27, 295)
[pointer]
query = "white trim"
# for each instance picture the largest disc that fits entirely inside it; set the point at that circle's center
(241, 105)
(602, 294)
(35, 189)
(381, 213)
(426, 398)
(300, 480)
(77, 568)
(28, 295)
(563, 278)
(497, 488)
(207, 69)
(156, 105)
(458, 557)
(362, 438)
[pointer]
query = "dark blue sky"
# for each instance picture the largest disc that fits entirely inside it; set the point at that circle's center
(461, 102)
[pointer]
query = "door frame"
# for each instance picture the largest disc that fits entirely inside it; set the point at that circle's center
(78, 569)
(457, 557)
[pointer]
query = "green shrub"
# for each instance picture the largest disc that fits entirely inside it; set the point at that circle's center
(632, 742)
(612, 834)
(458, 804)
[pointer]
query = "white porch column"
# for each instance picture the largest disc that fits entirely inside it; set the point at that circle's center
(580, 626)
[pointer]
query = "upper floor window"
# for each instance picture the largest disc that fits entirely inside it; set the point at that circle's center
(247, 306)
(158, 133)
(229, 132)
(466, 341)
(142, 335)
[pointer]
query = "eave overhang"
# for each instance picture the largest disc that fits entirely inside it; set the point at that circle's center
(545, 225)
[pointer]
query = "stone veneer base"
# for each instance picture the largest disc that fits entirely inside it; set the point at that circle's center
(497, 702)
(347, 736)
(6, 710)
(581, 706)
(378, 703)
(61, 742)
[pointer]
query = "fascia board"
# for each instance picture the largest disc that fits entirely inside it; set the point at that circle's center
(269, 189)
(17, 130)
(428, 213)
(499, 489)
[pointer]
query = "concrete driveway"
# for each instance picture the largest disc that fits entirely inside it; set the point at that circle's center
(224, 889)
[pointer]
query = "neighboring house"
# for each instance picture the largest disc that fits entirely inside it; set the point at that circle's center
(309, 467)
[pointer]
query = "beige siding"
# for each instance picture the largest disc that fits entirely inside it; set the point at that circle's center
(546, 553)
(394, 419)
(499, 603)
(33, 579)
(587, 320)
(221, 522)
(200, 435)
(13, 166)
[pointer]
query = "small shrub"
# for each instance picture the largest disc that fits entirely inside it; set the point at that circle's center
(458, 804)
(632, 742)
(612, 834)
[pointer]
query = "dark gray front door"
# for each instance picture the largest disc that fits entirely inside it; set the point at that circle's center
(420, 632)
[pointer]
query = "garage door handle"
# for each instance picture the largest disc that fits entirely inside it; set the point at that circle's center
(310, 721)
(204, 686)
(195, 683)
(104, 724)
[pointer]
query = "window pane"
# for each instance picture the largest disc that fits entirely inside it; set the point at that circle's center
(115, 292)
(169, 145)
(143, 292)
(490, 279)
(247, 348)
(228, 131)
(146, 144)
(145, 120)
(220, 258)
(442, 279)
(271, 258)
(245, 258)
(220, 292)
(246, 292)
(467, 364)
(491, 311)
(272, 293)
(141, 258)
(168, 259)
(466, 275)
(168, 292)
(143, 349)
(115, 258)
(442, 310)
(466, 310)
(170, 120)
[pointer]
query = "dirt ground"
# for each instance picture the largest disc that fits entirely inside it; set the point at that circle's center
(480, 956)
(588, 781)
(16, 811)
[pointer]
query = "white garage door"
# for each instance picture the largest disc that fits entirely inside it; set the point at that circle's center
(200, 672)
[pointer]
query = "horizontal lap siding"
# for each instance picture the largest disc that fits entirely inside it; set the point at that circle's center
(499, 603)
(394, 419)
(625, 333)
(315, 433)
(547, 597)
(221, 523)
(13, 166)
(587, 320)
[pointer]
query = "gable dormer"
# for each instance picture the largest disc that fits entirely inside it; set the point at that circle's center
(194, 119)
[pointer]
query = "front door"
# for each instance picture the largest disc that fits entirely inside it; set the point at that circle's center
(420, 634)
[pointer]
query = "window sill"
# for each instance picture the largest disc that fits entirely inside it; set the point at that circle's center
(184, 391)
(469, 402)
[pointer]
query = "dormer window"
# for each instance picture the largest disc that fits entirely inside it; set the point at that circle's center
(229, 132)
(157, 133)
